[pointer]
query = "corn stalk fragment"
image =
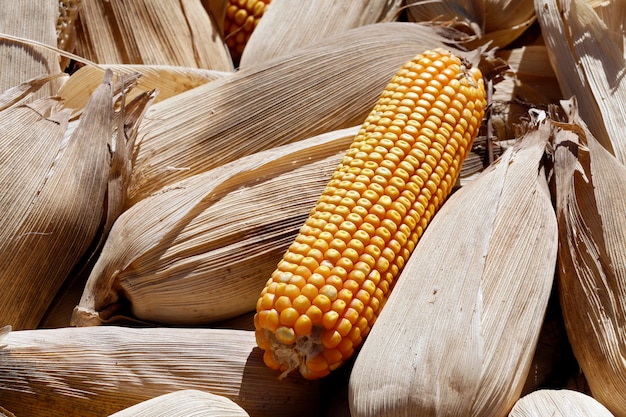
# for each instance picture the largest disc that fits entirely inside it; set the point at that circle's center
(291, 24)
(184, 403)
(198, 251)
(63, 186)
(591, 210)
(97, 371)
(458, 332)
(589, 65)
(329, 86)
(558, 403)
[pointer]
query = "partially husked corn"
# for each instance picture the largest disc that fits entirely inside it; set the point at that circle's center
(326, 292)
(242, 16)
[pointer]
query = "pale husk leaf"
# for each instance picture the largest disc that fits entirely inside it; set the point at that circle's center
(19, 62)
(201, 250)
(592, 276)
(167, 80)
(178, 33)
(588, 65)
(458, 332)
(185, 403)
(63, 185)
(291, 24)
(317, 89)
(558, 403)
(96, 371)
(484, 21)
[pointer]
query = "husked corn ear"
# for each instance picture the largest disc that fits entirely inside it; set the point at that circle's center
(326, 292)
(68, 13)
(242, 16)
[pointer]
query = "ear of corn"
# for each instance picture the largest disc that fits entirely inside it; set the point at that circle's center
(185, 403)
(458, 332)
(558, 403)
(97, 371)
(325, 294)
(241, 18)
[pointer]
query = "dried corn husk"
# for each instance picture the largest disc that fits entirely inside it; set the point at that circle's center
(96, 371)
(458, 332)
(588, 65)
(590, 201)
(179, 33)
(317, 89)
(291, 24)
(6, 413)
(167, 80)
(496, 21)
(558, 403)
(20, 61)
(210, 242)
(63, 186)
(184, 403)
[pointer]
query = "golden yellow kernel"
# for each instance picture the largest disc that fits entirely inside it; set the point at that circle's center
(301, 303)
(267, 301)
(303, 325)
(285, 335)
(315, 314)
(288, 316)
(329, 319)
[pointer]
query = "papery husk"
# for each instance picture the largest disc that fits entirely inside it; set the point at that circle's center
(591, 210)
(588, 65)
(178, 33)
(19, 61)
(184, 403)
(558, 403)
(317, 89)
(6, 413)
(167, 80)
(457, 335)
(97, 371)
(200, 251)
(484, 21)
(291, 24)
(63, 186)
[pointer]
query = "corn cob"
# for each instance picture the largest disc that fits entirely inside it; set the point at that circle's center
(242, 16)
(326, 292)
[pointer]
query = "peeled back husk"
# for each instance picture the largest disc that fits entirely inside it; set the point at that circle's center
(63, 186)
(291, 24)
(458, 332)
(185, 403)
(558, 403)
(198, 251)
(327, 86)
(97, 371)
(591, 205)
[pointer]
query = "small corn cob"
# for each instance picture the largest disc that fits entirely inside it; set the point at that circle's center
(242, 16)
(327, 291)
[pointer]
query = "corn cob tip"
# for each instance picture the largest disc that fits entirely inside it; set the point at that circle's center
(326, 292)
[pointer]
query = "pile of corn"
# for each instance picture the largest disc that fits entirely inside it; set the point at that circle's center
(329, 209)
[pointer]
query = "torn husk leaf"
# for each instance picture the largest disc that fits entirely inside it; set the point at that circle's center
(329, 86)
(291, 24)
(591, 210)
(96, 371)
(589, 65)
(497, 21)
(184, 403)
(558, 403)
(198, 251)
(458, 332)
(63, 185)
(179, 33)
(21, 61)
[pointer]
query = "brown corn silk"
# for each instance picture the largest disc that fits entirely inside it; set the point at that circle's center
(458, 332)
(63, 186)
(184, 403)
(292, 24)
(211, 129)
(188, 263)
(326, 292)
(590, 207)
(96, 371)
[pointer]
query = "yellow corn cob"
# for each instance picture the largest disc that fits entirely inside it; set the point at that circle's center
(242, 16)
(327, 291)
